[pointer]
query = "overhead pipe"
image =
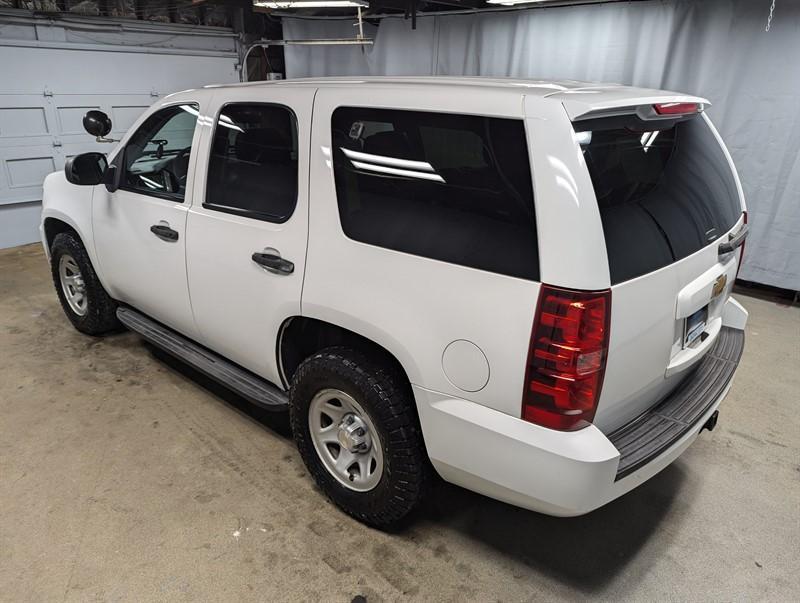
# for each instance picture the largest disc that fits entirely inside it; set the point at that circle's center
(464, 11)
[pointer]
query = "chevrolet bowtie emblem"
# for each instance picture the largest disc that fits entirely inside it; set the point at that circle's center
(719, 285)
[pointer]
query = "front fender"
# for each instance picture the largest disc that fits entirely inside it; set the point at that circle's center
(71, 205)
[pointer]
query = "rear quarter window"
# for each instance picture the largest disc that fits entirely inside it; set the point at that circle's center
(663, 193)
(455, 188)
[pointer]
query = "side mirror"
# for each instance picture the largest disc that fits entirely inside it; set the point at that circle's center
(97, 123)
(87, 169)
(111, 178)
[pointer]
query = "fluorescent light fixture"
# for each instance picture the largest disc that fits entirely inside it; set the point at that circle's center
(311, 4)
(381, 169)
(150, 183)
(648, 138)
(227, 122)
(318, 42)
(583, 138)
(513, 2)
(405, 164)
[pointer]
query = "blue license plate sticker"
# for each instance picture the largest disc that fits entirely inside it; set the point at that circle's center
(695, 325)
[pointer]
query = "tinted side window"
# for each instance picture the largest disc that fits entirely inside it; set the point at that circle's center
(663, 193)
(156, 159)
(455, 188)
(253, 166)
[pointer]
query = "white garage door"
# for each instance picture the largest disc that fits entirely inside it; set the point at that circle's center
(39, 132)
(47, 86)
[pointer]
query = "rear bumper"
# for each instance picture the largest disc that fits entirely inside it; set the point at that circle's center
(646, 437)
(570, 473)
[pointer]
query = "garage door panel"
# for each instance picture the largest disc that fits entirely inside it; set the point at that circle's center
(22, 121)
(38, 133)
(124, 116)
(26, 119)
(28, 171)
(70, 118)
(23, 169)
(123, 109)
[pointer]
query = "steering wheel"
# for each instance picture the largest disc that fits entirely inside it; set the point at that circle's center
(183, 153)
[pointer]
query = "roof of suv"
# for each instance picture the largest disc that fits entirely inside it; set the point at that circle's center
(531, 87)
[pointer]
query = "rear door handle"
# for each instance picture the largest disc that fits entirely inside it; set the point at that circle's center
(164, 232)
(273, 262)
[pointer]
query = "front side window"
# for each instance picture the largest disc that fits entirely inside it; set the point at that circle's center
(156, 159)
(454, 188)
(253, 166)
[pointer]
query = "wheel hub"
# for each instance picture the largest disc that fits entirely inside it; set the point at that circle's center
(354, 434)
(72, 284)
(345, 439)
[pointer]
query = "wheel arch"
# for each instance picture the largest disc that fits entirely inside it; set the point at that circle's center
(302, 336)
(54, 223)
(55, 226)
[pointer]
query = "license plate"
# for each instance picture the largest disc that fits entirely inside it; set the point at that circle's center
(695, 325)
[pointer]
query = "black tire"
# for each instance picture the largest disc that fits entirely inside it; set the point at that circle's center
(387, 399)
(101, 311)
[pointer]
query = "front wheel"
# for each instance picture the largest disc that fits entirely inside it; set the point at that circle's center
(356, 427)
(85, 302)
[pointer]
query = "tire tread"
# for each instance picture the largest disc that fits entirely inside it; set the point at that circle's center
(102, 310)
(388, 391)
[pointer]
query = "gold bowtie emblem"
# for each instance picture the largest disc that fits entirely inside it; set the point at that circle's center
(719, 285)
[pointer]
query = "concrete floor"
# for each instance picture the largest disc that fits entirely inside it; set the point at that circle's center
(122, 479)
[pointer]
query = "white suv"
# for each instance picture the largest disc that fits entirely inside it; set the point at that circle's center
(523, 284)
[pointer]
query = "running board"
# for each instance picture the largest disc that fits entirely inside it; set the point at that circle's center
(249, 386)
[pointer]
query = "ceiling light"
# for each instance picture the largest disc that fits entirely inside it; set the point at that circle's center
(311, 3)
(513, 2)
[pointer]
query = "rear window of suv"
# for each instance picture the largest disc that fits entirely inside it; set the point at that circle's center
(455, 188)
(663, 193)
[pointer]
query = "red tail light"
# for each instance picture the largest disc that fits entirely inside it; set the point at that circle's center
(677, 108)
(567, 358)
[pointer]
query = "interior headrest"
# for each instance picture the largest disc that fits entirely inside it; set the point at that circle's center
(261, 144)
(390, 144)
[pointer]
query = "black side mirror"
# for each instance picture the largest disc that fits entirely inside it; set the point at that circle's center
(112, 177)
(97, 123)
(86, 169)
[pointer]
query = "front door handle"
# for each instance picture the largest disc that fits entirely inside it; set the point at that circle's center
(164, 232)
(273, 262)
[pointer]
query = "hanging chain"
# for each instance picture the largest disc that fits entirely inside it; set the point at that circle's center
(769, 19)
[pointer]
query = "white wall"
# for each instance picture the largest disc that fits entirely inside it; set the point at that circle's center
(717, 49)
(52, 72)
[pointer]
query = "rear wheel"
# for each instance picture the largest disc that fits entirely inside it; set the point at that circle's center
(356, 427)
(85, 302)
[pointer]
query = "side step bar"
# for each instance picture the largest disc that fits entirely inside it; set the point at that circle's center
(246, 384)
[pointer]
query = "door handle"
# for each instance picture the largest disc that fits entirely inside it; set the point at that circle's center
(164, 232)
(733, 241)
(273, 262)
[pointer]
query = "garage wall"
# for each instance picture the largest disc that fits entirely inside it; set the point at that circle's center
(53, 71)
(716, 48)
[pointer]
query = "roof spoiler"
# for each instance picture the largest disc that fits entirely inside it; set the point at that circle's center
(648, 105)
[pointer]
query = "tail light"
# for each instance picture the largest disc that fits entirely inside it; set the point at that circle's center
(566, 358)
(741, 251)
(677, 108)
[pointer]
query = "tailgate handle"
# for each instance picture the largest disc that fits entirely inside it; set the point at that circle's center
(733, 241)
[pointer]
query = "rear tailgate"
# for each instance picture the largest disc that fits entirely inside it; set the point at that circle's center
(668, 197)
